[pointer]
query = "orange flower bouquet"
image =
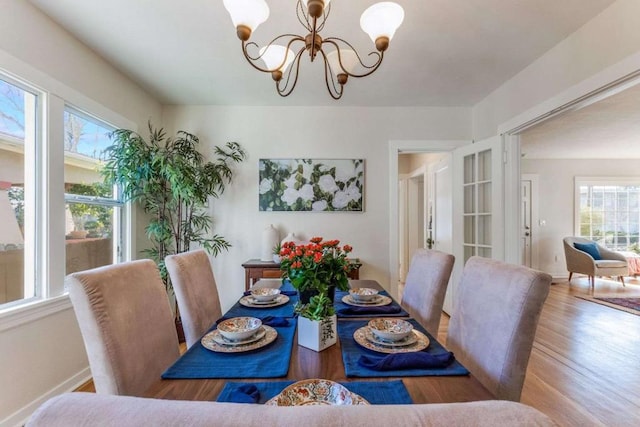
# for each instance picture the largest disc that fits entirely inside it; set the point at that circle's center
(316, 266)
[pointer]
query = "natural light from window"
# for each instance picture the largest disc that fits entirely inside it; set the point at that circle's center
(609, 213)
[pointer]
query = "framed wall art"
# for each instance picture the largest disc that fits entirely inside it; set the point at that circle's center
(315, 185)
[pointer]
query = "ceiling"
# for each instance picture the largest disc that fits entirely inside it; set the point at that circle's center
(446, 53)
(606, 129)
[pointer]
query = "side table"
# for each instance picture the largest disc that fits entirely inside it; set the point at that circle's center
(255, 269)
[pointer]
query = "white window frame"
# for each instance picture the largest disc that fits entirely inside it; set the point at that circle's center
(591, 181)
(120, 218)
(49, 238)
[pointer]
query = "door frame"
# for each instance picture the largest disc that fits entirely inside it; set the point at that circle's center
(395, 148)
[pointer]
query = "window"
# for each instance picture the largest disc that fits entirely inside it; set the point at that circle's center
(92, 213)
(608, 211)
(18, 124)
(56, 216)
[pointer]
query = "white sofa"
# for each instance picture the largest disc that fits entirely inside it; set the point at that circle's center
(89, 409)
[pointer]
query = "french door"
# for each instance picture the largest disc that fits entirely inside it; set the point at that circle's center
(478, 203)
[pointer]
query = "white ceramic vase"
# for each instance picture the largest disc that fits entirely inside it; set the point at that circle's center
(270, 237)
(317, 335)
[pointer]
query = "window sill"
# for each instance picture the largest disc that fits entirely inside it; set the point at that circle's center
(31, 311)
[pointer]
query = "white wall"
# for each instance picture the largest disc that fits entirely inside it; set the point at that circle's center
(607, 39)
(44, 356)
(309, 132)
(556, 201)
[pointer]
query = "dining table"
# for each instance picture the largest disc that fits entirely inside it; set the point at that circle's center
(328, 364)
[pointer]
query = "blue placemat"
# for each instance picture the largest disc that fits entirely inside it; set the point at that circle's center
(375, 392)
(351, 352)
(342, 309)
(271, 361)
(285, 310)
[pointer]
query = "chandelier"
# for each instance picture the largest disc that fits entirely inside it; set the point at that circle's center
(341, 60)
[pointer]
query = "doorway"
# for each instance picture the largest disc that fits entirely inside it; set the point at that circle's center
(465, 215)
(572, 139)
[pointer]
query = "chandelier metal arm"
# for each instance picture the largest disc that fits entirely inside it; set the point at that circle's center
(251, 59)
(334, 91)
(282, 88)
(371, 68)
(303, 17)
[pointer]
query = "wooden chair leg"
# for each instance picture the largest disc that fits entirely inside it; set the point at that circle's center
(592, 279)
(622, 280)
(570, 274)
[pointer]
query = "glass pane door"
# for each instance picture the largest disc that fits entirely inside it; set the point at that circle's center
(477, 186)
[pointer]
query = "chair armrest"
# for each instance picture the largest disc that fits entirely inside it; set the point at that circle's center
(579, 261)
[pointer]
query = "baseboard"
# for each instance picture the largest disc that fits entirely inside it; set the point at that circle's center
(20, 417)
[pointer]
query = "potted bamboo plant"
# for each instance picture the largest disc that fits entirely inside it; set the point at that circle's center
(173, 183)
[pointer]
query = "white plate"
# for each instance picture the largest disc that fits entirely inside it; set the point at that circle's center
(249, 301)
(360, 336)
(409, 340)
(378, 302)
(316, 392)
(209, 342)
(220, 339)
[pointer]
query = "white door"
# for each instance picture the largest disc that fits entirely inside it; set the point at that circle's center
(525, 207)
(402, 230)
(442, 229)
(478, 201)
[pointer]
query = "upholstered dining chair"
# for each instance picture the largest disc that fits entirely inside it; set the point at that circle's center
(126, 323)
(598, 261)
(196, 292)
(426, 286)
(494, 322)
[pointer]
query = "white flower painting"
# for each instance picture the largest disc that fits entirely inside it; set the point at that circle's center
(317, 185)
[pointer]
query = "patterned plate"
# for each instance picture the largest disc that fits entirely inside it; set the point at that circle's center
(378, 302)
(316, 392)
(210, 343)
(220, 339)
(409, 340)
(360, 336)
(249, 301)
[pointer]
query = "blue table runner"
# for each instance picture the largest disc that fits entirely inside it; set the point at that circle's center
(351, 352)
(271, 361)
(375, 392)
(341, 306)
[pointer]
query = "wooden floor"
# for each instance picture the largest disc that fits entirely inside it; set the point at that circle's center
(585, 364)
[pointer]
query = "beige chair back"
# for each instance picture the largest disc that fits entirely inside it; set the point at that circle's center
(426, 286)
(494, 322)
(196, 292)
(126, 323)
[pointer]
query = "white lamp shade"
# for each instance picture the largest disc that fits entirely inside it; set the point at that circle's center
(348, 58)
(382, 19)
(273, 55)
(247, 12)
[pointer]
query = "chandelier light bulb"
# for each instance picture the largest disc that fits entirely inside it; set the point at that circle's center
(381, 21)
(247, 14)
